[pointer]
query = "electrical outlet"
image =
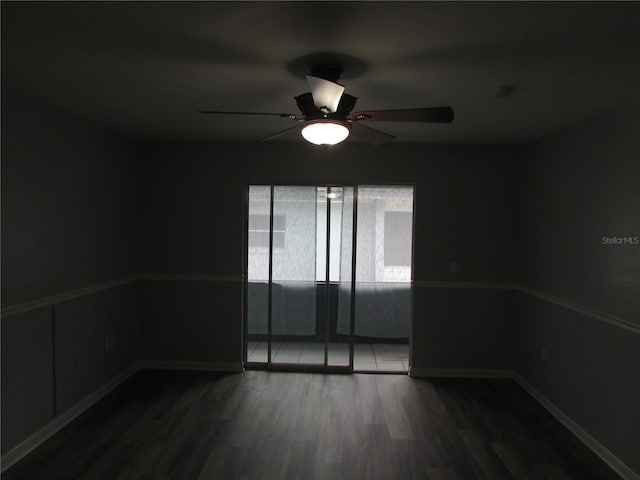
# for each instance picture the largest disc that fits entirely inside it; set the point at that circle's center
(543, 353)
(453, 266)
(109, 342)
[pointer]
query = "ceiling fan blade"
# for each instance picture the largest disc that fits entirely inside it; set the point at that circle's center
(283, 115)
(326, 94)
(436, 114)
(274, 135)
(370, 135)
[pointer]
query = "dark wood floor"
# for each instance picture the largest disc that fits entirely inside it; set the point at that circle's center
(267, 425)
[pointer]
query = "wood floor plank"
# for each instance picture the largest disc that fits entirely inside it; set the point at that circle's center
(439, 473)
(370, 405)
(273, 425)
(484, 461)
(513, 461)
(389, 388)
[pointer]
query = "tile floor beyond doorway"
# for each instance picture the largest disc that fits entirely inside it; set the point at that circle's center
(367, 357)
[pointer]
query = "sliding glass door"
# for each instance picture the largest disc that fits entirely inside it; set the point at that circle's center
(299, 285)
(303, 306)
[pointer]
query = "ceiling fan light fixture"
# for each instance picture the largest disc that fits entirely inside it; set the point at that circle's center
(325, 132)
(326, 94)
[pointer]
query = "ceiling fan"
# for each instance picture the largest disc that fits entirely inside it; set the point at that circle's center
(327, 116)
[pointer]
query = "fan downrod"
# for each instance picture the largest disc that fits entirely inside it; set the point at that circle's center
(327, 71)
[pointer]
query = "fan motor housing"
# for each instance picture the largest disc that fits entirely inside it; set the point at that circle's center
(311, 112)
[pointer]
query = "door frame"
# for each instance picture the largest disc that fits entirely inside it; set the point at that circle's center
(318, 367)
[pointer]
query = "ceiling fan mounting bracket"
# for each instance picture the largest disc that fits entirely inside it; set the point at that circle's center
(327, 71)
(328, 63)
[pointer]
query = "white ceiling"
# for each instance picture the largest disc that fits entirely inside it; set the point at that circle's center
(145, 69)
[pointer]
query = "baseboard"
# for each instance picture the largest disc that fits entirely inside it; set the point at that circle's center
(29, 444)
(186, 365)
(459, 373)
(605, 454)
(192, 277)
(458, 284)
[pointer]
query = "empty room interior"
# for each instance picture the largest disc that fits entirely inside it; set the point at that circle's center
(320, 240)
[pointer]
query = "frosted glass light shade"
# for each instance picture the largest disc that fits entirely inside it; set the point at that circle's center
(325, 132)
(326, 94)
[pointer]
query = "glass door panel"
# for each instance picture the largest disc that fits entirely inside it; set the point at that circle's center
(383, 278)
(257, 288)
(340, 259)
(297, 330)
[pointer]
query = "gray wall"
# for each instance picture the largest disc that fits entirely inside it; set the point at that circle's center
(192, 214)
(69, 202)
(462, 328)
(577, 186)
(69, 220)
(191, 320)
